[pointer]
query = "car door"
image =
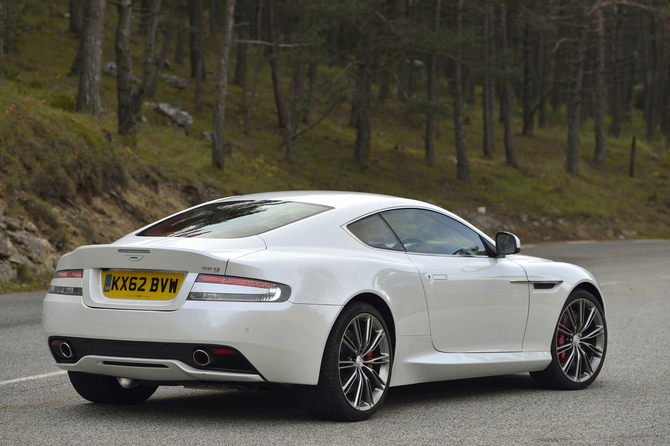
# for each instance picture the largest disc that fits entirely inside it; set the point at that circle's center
(473, 301)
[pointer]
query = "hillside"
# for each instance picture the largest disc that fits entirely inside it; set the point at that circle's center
(69, 179)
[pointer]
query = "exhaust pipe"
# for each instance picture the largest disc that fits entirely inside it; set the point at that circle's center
(202, 358)
(66, 350)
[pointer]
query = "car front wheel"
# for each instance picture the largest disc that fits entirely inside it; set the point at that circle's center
(109, 390)
(356, 367)
(578, 346)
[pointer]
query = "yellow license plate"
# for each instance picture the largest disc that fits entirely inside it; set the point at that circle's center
(141, 285)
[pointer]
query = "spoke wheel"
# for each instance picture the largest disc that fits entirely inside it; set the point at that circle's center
(578, 346)
(356, 368)
(364, 362)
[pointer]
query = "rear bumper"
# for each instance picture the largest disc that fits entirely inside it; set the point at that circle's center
(284, 342)
(158, 370)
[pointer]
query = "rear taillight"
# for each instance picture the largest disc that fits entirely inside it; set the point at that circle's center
(65, 286)
(210, 287)
(69, 274)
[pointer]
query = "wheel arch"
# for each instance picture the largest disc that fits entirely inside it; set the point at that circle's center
(382, 306)
(591, 288)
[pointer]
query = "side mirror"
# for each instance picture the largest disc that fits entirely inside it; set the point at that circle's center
(507, 243)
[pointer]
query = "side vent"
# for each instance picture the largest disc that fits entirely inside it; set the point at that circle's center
(546, 285)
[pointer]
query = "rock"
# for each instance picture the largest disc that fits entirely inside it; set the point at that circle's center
(30, 226)
(177, 82)
(19, 259)
(110, 69)
(7, 272)
(6, 247)
(2, 210)
(113, 71)
(174, 111)
(12, 223)
(38, 250)
(151, 105)
(207, 135)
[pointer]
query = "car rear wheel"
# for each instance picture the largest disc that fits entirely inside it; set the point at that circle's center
(356, 368)
(109, 390)
(578, 346)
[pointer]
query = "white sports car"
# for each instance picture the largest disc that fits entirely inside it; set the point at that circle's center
(340, 295)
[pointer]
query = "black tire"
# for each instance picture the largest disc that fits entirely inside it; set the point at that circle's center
(578, 346)
(108, 390)
(358, 357)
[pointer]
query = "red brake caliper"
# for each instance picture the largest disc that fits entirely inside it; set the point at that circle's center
(560, 340)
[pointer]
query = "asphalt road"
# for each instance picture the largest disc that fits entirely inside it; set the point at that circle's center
(628, 404)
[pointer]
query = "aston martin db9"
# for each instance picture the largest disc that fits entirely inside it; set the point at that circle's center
(338, 295)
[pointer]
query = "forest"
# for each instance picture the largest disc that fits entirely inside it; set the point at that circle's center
(596, 58)
(549, 117)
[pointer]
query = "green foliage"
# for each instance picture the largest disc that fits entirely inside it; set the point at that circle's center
(11, 72)
(55, 155)
(24, 274)
(43, 215)
(64, 102)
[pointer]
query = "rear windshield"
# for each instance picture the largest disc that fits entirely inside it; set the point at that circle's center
(233, 219)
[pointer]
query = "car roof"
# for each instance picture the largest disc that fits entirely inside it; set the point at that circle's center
(335, 199)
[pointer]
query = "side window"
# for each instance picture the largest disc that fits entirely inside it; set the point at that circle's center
(373, 231)
(430, 232)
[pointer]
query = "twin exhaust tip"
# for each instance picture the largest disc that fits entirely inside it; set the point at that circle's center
(202, 358)
(66, 350)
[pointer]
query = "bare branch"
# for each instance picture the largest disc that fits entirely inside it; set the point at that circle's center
(280, 45)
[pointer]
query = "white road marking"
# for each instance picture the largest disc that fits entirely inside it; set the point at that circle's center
(609, 283)
(30, 378)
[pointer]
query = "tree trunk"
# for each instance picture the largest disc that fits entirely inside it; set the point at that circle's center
(385, 81)
(145, 13)
(574, 103)
(615, 90)
(432, 96)
(218, 160)
(2, 51)
(601, 149)
(180, 40)
(167, 37)
(199, 56)
(76, 11)
(89, 99)
(463, 167)
(240, 77)
(250, 105)
(297, 85)
(75, 68)
(8, 28)
(361, 98)
(528, 121)
(311, 75)
(274, 65)
(124, 65)
(488, 90)
(213, 17)
(557, 92)
(543, 69)
(653, 88)
(149, 50)
(507, 97)
(402, 54)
